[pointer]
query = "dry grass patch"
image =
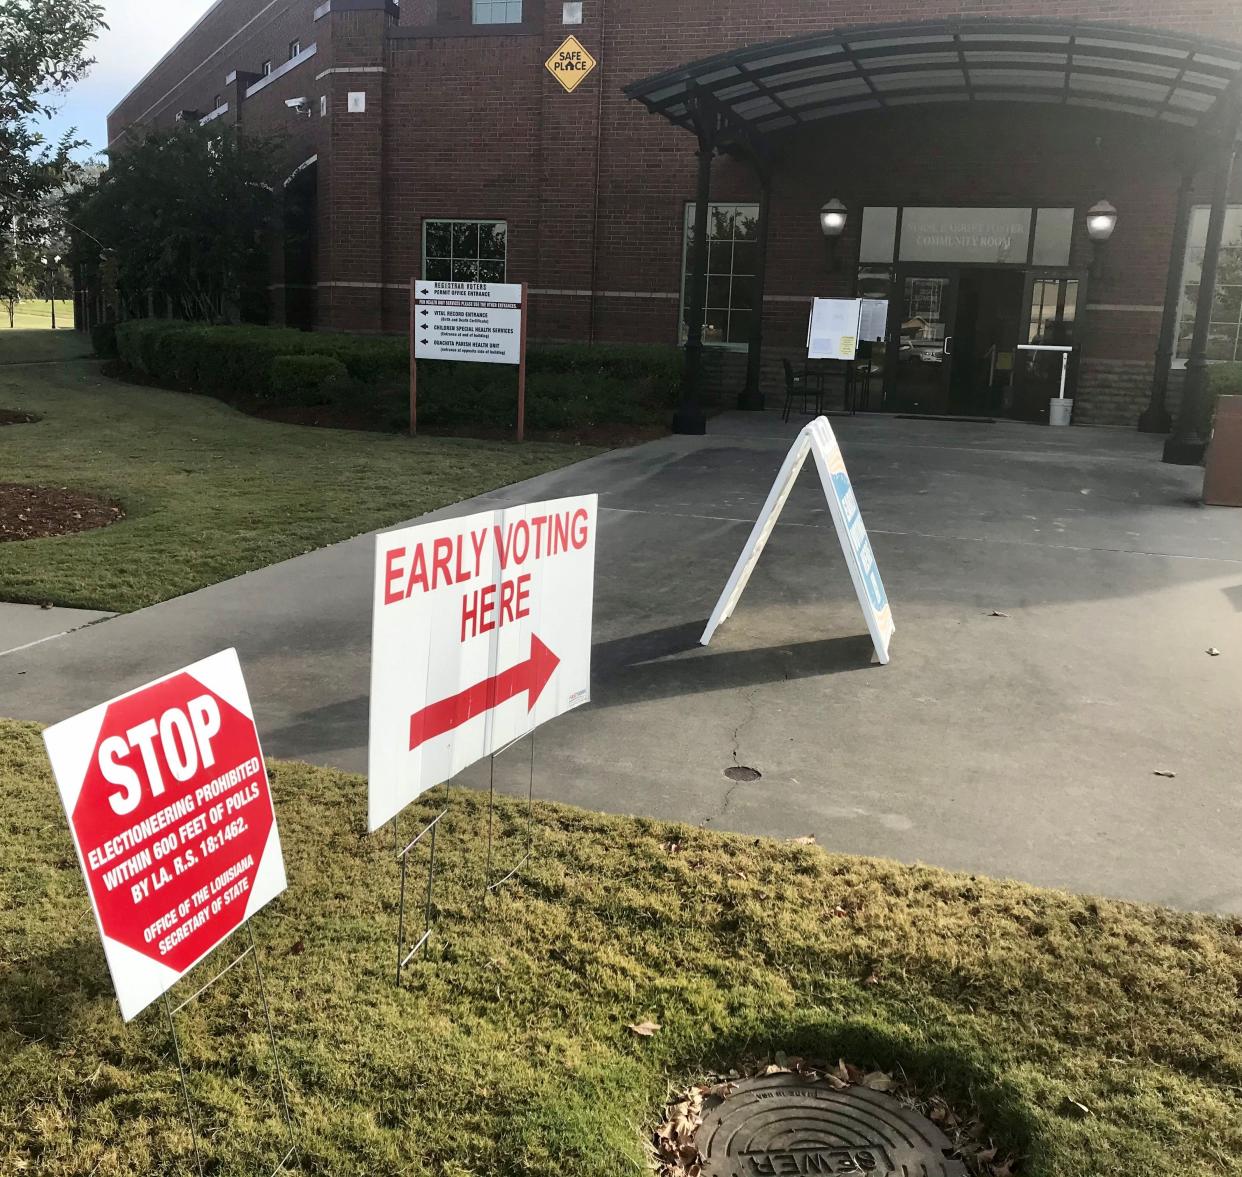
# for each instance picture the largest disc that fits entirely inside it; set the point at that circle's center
(1092, 1037)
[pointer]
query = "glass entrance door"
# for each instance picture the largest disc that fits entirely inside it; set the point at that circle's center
(921, 341)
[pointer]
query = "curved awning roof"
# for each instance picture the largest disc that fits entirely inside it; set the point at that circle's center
(773, 88)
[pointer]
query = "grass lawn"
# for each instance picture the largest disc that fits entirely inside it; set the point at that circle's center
(36, 314)
(508, 1051)
(208, 492)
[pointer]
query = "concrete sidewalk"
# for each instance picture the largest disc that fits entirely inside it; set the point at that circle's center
(29, 625)
(1023, 745)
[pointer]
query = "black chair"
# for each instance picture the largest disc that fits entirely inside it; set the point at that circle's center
(795, 385)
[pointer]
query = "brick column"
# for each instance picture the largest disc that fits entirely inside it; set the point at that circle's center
(351, 192)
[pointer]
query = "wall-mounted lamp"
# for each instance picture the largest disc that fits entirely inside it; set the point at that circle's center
(1101, 221)
(832, 219)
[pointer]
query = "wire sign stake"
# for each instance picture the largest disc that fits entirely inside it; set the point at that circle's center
(171, 1011)
(489, 884)
(429, 831)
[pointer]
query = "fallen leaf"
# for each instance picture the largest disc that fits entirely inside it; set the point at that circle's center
(879, 1081)
(297, 948)
(645, 1029)
(1213, 652)
(1163, 772)
(872, 980)
(998, 613)
(1071, 1107)
(805, 840)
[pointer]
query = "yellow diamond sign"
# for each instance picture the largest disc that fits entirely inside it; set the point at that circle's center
(570, 64)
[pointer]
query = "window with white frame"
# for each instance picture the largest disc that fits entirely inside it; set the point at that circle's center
(266, 68)
(295, 47)
(1225, 332)
(465, 251)
(731, 254)
(497, 12)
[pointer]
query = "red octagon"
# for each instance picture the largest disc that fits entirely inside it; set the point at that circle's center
(148, 865)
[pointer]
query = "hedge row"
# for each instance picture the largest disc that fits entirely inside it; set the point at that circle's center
(567, 386)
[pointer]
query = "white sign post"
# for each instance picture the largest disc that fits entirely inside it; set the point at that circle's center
(816, 439)
(832, 333)
(472, 322)
(481, 632)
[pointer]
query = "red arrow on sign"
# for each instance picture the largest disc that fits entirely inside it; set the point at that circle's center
(530, 676)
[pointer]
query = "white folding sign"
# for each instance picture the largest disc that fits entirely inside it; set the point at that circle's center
(471, 321)
(481, 632)
(832, 333)
(171, 814)
(818, 439)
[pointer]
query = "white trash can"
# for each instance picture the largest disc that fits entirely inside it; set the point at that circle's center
(1059, 410)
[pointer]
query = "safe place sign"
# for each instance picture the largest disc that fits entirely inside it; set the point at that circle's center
(481, 631)
(171, 815)
(474, 321)
(570, 64)
(817, 440)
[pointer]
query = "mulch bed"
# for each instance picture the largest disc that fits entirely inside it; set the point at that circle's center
(12, 417)
(36, 512)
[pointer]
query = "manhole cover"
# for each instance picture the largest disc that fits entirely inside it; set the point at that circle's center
(739, 772)
(782, 1124)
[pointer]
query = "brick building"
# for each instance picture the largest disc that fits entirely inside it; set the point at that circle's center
(966, 143)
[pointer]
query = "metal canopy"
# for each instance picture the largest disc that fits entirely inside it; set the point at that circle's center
(774, 88)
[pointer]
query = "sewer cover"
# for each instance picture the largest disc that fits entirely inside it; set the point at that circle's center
(783, 1125)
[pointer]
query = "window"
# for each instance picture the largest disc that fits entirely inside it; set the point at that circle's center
(571, 12)
(497, 12)
(295, 47)
(1225, 333)
(266, 68)
(1053, 310)
(465, 251)
(731, 254)
(217, 102)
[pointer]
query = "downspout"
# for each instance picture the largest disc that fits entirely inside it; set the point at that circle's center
(599, 135)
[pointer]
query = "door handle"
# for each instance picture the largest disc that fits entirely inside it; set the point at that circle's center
(948, 345)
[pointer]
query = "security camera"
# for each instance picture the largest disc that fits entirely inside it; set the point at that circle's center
(298, 106)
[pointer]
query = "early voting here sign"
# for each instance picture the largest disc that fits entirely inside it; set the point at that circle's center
(481, 631)
(171, 815)
(818, 440)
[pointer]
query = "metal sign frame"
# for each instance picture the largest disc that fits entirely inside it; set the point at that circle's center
(523, 307)
(252, 951)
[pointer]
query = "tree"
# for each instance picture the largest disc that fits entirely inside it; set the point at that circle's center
(186, 214)
(42, 53)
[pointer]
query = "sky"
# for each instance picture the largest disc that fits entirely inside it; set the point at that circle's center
(139, 33)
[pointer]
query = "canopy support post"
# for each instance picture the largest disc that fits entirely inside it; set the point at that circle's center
(752, 395)
(1156, 417)
(689, 416)
(1189, 441)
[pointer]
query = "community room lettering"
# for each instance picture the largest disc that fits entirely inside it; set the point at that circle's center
(509, 551)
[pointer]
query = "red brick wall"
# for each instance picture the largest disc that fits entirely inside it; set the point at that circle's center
(465, 122)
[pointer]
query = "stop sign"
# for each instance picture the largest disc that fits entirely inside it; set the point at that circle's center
(171, 813)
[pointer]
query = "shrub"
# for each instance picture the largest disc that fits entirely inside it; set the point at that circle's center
(1223, 380)
(103, 340)
(568, 385)
(307, 380)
